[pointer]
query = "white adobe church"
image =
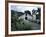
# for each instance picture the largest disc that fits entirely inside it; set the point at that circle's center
(27, 15)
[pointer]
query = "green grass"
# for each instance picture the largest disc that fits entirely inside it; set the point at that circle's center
(21, 24)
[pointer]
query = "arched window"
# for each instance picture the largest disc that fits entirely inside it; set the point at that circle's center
(25, 18)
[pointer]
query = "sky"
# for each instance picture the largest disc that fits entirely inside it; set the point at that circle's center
(21, 8)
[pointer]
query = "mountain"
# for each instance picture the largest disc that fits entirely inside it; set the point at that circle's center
(17, 13)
